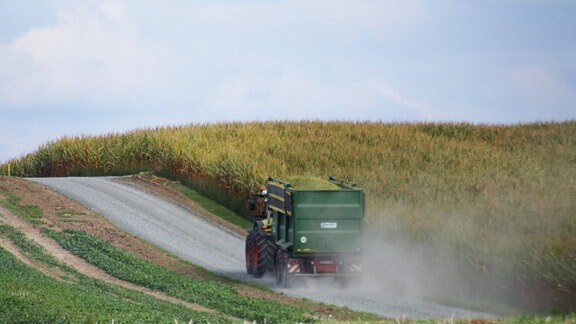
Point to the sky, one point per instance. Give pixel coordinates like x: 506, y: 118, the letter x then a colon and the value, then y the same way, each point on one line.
x: 71, y: 67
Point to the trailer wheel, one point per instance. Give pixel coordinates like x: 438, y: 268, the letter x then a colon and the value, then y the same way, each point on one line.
x: 248, y: 252
x: 262, y: 253
x: 282, y: 269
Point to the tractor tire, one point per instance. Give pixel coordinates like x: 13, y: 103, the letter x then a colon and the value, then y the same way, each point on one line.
x: 249, y: 252
x: 262, y: 253
x: 271, y: 247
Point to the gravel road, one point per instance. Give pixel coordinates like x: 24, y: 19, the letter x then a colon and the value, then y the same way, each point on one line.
x: 194, y: 239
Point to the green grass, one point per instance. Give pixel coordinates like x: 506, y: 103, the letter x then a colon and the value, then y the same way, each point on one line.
x: 28, y: 212
x: 211, y: 294
x: 212, y: 206
x: 28, y: 296
x: 31, y: 249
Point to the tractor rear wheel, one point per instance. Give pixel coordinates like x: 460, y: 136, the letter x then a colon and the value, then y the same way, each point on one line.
x: 262, y: 253
x: 249, y: 252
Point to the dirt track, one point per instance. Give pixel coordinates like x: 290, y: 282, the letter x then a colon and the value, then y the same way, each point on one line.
x: 218, y: 249
x: 64, y: 257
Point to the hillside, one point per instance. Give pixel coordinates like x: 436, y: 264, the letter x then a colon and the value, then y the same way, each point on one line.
x: 501, y: 198
x: 62, y: 262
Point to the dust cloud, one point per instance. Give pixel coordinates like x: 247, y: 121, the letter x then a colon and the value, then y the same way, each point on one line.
x: 430, y: 274
x: 414, y: 271
x: 396, y: 267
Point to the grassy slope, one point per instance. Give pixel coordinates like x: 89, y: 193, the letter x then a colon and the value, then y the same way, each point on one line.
x: 500, y: 196
x: 211, y: 206
x: 211, y: 294
x: 25, y: 292
x: 26, y: 295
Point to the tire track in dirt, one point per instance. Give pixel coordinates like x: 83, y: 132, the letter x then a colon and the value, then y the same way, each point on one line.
x: 63, y: 256
x: 53, y: 273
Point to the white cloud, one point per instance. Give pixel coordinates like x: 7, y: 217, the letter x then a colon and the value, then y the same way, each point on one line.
x: 113, y: 10
x: 92, y: 52
x: 97, y: 53
x: 340, y: 16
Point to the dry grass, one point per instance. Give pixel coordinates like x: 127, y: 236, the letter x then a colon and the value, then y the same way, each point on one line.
x: 503, y: 197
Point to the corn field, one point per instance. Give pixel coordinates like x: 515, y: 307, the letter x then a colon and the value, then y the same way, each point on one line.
x: 492, y: 194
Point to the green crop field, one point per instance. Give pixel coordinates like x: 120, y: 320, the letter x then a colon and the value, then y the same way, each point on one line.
x: 211, y: 294
x: 501, y: 198
x: 28, y: 296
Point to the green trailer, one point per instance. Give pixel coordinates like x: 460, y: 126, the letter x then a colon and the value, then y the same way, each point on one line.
x: 306, y: 232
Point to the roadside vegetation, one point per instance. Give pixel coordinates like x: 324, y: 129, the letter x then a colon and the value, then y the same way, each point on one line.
x: 11, y: 202
x: 212, y: 294
x: 208, y: 204
x: 29, y: 296
x: 501, y: 198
